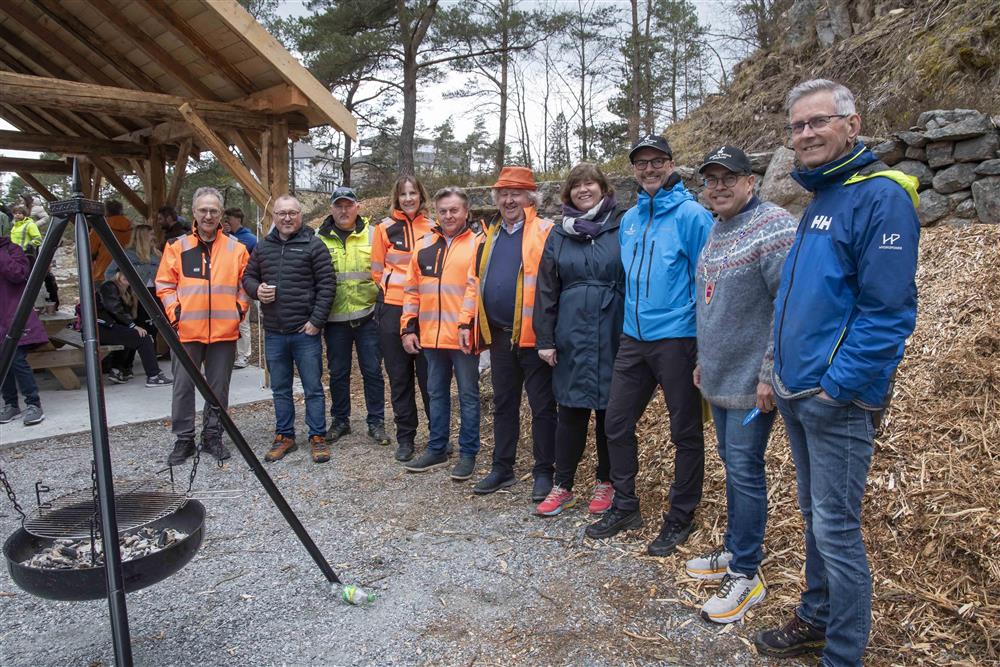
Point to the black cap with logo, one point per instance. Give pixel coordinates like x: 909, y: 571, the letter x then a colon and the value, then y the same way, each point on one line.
x: 343, y: 193
x: 730, y: 157
x: 651, y: 141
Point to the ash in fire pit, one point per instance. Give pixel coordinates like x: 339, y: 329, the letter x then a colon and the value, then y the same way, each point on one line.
x: 65, y: 554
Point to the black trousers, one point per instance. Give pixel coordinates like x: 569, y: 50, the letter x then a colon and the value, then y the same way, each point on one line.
x: 639, y: 368
x: 513, y: 370
x: 118, y: 334
x: 571, y: 440
x: 401, y: 368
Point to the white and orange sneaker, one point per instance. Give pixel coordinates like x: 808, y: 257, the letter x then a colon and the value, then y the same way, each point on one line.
x: 559, y: 499
x: 737, y: 594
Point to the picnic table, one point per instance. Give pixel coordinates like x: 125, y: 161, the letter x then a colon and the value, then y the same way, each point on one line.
x: 64, y: 351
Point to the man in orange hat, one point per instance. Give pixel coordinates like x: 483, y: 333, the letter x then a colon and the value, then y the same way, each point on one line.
x: 507, y: 269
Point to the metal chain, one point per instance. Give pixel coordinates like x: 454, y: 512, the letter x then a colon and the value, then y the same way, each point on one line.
x: 11, y: 495
x: 194, y: 467
x: 93, y: 490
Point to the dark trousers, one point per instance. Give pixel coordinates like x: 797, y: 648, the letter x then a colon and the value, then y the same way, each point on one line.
x: 401, y: 368
x: 639, y: 368
x: 341, y: 338
x: 216, y: 361
x: 130, y: 339
x: 512, y: 370
x: 571, y: 440
x: 21, y: 375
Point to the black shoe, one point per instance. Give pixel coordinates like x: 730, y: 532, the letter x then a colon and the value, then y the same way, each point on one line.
x: 671, y: 534
x: 541, y: 488
x: 216, y: 449
x: 796, y: 637
x: 464, y: 468
x: 613, y: 522
x: 338, y: 430
x: 182, y: 450
x: 377, y: 433
x: 496, y: 480
x: 404, y: 451
x: 427, y: 461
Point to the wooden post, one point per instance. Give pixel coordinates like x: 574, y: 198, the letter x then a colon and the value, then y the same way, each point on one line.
x: 155, y: 186
x: 277, y: 184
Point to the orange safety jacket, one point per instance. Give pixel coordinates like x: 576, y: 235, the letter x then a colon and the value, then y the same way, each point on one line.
x: 394, y: 242
x: 121, y: 227
x: 536, y: 231
x: 201, y: 287
x: 441, y: 289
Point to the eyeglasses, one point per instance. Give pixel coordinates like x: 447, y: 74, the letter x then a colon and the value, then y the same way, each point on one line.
x: 655, y: 163
x: 729, y: 180
x: 816, y: 123
x: 287, y: 214
x: 208, y: 212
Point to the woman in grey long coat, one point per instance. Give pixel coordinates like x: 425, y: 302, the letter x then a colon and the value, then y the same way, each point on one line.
x: 578, y: 321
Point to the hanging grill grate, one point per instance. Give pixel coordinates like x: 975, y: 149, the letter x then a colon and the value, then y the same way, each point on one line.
x: 71, y: 516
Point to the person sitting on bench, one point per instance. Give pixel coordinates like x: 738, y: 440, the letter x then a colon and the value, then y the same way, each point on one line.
x: 117, y: 308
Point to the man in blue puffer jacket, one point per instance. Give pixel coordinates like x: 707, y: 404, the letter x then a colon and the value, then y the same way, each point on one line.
x: 661, y: 238
x: 846, y: 304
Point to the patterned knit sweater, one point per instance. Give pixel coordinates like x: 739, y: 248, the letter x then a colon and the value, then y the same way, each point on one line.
x: 737, y: 279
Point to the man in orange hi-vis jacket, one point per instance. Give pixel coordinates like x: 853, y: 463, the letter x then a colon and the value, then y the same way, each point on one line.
x: 439, y: 315
x: 200, y: 284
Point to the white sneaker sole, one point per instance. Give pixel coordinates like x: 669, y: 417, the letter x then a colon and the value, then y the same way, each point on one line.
x: 737, y: 614
x: 706, y: 575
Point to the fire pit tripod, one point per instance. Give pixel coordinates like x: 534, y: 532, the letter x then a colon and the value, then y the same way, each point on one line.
x: 88, y: 213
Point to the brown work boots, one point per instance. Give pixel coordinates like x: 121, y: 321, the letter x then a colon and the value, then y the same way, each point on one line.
x: 320, y: 450
x: 282, y: 445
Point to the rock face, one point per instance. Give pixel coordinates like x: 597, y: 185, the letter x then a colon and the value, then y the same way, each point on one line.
x: 980, y: 148
x: 913, y: 139
x: 989, y: 168
x: 933, y: 207
x: 779, y: 188
x: 890, y: 152
x: 939, y: 154
x: 954, y: 178
x: 972, y: 126
x: 986, y: 195
x: 918, y: 169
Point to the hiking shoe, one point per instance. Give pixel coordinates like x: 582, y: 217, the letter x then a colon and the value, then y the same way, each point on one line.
x: 404, y: 451
x: 338, y: 429
x: 710, y: 566
x: 541, y: 488
x: 796, y: 637
x: 320, y: 450
x: 604, y: 494
x: 377, y: 433
x: 613, y: 522
x: 9, y: 413
x: 427, y: 461
x: 493, y: 482
x: 734, y: 598
x: 127, y: 374
x: 216, y: 449
x: 281, y: 446
x: 464, y: 468
x: 32, y: 415
x: 241, y: 362
x: 182, y: 450
x: 116, y: 376
x: 160, y: 380
x: 559, y: 499
x: 671, y: 534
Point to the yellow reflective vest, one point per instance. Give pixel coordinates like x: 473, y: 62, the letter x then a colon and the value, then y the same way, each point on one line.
x: 352, y: 264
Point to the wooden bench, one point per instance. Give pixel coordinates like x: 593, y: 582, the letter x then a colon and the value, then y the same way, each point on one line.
x: 62, y: 354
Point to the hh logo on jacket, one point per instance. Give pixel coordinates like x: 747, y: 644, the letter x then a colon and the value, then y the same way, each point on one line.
x: 821, y: 222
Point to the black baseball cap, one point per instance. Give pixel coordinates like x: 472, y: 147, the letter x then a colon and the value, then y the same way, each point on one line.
x: 343, y: 193
x: 730, y: 157
x: 651, y: 141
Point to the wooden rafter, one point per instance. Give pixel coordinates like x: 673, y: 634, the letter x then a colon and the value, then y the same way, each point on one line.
x: 70, y: 145
x: 180, y: 168
x: 121, y: 186
x: 37, y: 185
x: 35, y: 166
x: 249, y: 152
x: 26, y: 122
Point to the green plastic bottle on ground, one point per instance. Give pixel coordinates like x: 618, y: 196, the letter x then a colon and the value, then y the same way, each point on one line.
x: 356, y: 595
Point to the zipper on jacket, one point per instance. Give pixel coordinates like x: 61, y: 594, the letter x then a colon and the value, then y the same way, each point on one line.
x: 444, y: 257
x: 638, y: 273
x: 648, y: 269
x: 281, y: 267
x: 840, y: 340
x: 791, y: 281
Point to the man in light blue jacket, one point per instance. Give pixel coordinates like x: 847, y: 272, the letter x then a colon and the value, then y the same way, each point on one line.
x: 661, y: 238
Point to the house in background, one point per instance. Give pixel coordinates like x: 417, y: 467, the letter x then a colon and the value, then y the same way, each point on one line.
x: 314, y: 169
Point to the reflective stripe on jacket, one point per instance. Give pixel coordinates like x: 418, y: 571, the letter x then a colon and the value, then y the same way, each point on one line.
x: 441, y: 289
x: 391, y: 250
x: 24, y: 233
x: 200, y: 287
x: 352, y: 264
x: 536, y: 231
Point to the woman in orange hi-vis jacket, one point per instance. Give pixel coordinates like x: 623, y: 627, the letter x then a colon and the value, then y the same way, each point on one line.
x: 439, y: 316
x: 395, y: 238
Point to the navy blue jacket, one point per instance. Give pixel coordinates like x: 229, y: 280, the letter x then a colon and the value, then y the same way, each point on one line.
x: 848, y: 296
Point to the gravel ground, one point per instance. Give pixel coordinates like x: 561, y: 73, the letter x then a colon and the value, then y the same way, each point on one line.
x: 460, y: 579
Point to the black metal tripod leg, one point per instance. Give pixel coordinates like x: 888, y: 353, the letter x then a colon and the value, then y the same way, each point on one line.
x: 35, y: 279
x: 102, y: 452
x: 100, y: 225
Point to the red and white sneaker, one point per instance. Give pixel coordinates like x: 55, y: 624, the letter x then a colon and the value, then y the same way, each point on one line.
x: 604, y: 494
x: 559, y: 499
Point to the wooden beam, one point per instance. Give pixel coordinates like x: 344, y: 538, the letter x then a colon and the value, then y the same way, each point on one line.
x: 278, y: 171
x: 121, y: 186
x: 218, y: 147
x: 95, y: 189
x: 155, y: 185
x: 291, y: 70
x: 279, y: 99
x: 35, y: 166
x: 37, y: 185
x: 28, y: 141
x: 248, y: 151
x: 177, y: 24
x: 170, y: 132
x: 72, y: 95
x: 18, y: 118
x: 180, y: 167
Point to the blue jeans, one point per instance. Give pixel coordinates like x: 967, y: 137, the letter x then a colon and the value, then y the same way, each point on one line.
x: 340, y: 338
x: 832, y: 449
x: 741, y: 449
x: 441, y: 365
x: 20, y: 375
x: 306, y: 352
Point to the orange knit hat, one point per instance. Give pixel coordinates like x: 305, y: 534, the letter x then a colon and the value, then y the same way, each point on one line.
x: 519, y: 178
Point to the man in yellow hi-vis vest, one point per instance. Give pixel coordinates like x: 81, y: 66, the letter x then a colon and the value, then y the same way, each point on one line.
x: 348, y: 237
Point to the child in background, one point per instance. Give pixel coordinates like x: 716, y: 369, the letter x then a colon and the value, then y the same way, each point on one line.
x: 24, y: 232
